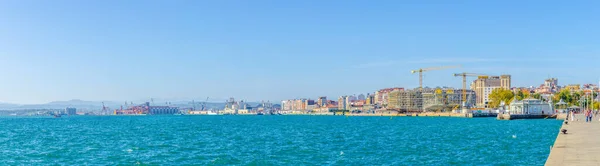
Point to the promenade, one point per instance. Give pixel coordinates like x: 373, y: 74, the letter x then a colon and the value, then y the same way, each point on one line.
x: 580, y: 146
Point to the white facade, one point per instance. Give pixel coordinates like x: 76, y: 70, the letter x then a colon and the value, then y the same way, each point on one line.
x: 71, y: 111
x: 486, y: 94
x: 160, y: 110
x: 531, y: 107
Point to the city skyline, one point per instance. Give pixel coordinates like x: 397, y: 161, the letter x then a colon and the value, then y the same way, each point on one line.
x: 263, y: 50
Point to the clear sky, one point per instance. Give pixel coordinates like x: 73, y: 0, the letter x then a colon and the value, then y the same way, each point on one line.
x: 255, y: 49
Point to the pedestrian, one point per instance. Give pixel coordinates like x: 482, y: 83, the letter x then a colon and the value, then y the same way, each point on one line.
x: 589, y: 117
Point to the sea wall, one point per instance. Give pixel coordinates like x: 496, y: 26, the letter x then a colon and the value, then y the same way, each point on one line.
x: 522, y: 116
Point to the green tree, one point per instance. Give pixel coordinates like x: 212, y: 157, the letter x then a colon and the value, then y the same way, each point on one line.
x: 566, y: 96
x: 522, y: 95
x: 499, y: 95
x: 537, y: 96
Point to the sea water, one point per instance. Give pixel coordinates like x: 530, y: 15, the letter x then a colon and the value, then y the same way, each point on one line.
x: 274, y: 140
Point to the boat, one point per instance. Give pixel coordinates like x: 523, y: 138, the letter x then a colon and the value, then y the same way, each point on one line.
x: 260, y: 113
x: 57, y: 115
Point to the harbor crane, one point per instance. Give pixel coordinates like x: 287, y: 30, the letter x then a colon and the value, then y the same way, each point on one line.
x: 104, y: 109
x: 464, y: 75
x: 420, y: 71
x: 194, y: 105
x: 204, y: 104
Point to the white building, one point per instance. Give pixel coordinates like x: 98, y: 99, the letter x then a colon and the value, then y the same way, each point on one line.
x: 531, y: 107
x: 71, y: 111
x: 486, y: 93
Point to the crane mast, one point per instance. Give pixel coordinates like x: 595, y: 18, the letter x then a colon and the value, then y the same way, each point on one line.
x: 464, y: 76
x: 420, y: 71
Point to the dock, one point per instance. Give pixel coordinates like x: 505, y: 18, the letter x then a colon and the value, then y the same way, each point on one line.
x: 580, y: 146
x: 523, y: 116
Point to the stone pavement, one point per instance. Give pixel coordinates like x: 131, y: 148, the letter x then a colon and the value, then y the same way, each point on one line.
x: 580, y: 146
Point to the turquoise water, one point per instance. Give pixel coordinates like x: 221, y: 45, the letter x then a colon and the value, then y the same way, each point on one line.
x: 274, y: 140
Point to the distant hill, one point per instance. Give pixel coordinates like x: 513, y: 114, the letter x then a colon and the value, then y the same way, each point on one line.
x: 97, y: 105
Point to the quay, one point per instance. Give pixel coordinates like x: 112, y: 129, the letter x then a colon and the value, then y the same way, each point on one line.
x: 523, y: 116
x: 580, y: 146
x: 424, y: 114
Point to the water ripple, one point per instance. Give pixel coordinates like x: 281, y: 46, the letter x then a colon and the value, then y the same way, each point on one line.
x: 274, y: 140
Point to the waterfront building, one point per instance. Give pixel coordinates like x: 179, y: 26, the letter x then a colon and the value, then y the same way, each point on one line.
x: 342, y: 102
x: 347, y: 100
x: 353, y: 98
x: 326, y: 109
x: 573, y: 87
x: 370, y: 100
x: 551, y: 82
x: 428, y: 99
x: 531, y: 107
x: 550, y: 86
x: 332, y: 102
x: 393, y: 100
x: 361, y: 97
x: 299, y: 104
x: 381, y: 96
x: 588, y: 88
x: 484, y: 85
x: 358, y: 102
x: 147, y: 109
x: 163, y: 110
x: 287, y: 105
x: 322, y: 101
x: 71, y: 111
x: 242, y: 111
x: 308, y: 104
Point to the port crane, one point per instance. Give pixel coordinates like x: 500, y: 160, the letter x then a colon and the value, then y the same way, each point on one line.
x: 194, y: 105
x: 204, y: 104
x: 464, y: 75
x: 420, y: 71
x: 104, y: 109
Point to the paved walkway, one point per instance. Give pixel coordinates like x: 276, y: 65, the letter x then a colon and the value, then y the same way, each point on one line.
x: 580, y: 146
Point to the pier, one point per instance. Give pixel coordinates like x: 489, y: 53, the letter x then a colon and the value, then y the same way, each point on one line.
x: 523, y: 116
x: 580, y: 146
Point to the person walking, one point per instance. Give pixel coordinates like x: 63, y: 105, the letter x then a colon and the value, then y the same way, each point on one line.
x: 589, y: 116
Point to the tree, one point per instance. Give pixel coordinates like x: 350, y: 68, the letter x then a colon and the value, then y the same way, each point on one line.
x: 499, y: 95
x: 566, y: 96
x: 537, y: 96
x: 522, y: 95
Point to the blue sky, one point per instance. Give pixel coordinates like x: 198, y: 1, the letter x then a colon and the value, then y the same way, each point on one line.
x: 272, y: 50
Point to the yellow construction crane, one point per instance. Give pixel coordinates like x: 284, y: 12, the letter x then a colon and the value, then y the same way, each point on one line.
x: 464, y: 76
x: 420, y: 71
